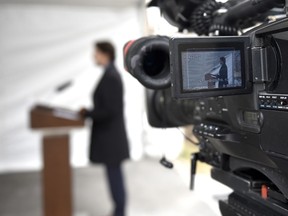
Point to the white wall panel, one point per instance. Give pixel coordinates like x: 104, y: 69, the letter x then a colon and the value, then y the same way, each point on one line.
x: 42, y: 46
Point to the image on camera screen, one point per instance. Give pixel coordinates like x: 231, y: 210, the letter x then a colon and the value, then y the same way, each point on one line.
x: 211, y: 69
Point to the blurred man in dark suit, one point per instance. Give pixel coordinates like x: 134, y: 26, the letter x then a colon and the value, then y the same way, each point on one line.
x: 223, y: 73
x: 109, y: 145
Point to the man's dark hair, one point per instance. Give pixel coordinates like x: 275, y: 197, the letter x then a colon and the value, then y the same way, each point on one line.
x: 107, y: 48
x: 223, y: 59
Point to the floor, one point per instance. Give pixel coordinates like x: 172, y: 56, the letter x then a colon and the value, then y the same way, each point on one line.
x: 153, y: 190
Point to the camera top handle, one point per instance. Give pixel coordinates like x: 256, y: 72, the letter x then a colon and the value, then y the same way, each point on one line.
x: 240, y: 13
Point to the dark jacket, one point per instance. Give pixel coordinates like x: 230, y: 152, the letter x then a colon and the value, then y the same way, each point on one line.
x: 109, y: 143
x: 223, y: 76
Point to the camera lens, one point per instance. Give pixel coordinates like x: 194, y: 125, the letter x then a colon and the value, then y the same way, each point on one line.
x: 147, y: 59
x: 164, y: 111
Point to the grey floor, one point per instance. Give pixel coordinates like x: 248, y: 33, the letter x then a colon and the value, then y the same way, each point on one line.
x: 152, y: 189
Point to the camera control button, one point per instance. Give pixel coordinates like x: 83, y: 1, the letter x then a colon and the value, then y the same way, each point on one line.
x: 283, y: 103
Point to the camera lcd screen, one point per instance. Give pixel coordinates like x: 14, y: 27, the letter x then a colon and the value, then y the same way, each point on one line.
x: 210, y: 66
x: 211, y: 69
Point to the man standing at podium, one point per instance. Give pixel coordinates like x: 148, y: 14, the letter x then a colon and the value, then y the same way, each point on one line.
x: 109, y: 145
x: 223, y: 74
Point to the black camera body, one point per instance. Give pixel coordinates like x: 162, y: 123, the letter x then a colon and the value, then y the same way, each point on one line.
x: 233, y: 89
x: 241, y: 124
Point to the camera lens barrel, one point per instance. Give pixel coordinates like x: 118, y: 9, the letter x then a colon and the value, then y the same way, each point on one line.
x: 147, y: 59
x: 163, y: 111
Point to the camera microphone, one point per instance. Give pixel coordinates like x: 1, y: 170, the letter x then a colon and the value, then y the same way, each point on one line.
x: 63, y: 86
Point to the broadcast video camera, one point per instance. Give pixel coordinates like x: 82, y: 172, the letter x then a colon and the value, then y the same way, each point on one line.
x: 233, y: 89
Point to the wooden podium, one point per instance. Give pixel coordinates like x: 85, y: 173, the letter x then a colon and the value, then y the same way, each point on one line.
x: 55, y: 125
x: 211, y: 80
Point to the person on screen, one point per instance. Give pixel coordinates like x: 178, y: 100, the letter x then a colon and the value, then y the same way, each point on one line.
x: 223, y: 74
x: 109, y: 144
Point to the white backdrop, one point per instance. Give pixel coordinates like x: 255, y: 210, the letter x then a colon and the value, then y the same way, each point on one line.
x: 45, y: 45
x: 42, y: 46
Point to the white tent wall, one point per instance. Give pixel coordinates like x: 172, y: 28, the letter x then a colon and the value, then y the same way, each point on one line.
x: 45, y: 45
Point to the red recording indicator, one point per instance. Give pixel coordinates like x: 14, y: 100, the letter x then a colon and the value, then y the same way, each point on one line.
x: 264, y: 192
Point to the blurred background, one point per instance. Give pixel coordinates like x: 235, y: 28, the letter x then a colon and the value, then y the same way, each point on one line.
x: 48, y: 44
